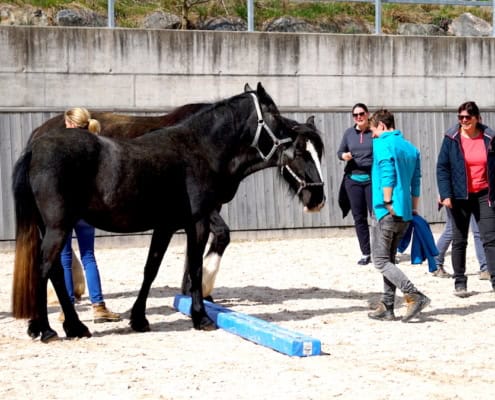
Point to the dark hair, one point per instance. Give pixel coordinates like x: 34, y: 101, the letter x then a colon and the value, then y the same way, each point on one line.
x: 360, y: 105
x: 384, y: 116
x: 470, y: 107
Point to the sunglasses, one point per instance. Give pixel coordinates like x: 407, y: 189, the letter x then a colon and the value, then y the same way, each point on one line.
x: 464, y: 117
x: 361, y: 114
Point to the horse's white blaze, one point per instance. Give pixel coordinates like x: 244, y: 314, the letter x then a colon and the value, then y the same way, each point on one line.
x: 314, y: 155
x: 211, y: 265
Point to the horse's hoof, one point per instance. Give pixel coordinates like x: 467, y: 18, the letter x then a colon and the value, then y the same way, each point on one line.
x: 78, y: 330
x: 33, y: 329
x: 205, y: 324
x: 49, y: 336
x: 140, y: 325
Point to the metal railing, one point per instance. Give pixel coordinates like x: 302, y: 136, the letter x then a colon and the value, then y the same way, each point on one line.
x: 378, y: 9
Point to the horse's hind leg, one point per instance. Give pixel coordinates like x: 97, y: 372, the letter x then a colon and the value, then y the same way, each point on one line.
x: 73, y: 326
x: 211, y: 263
x: 51, y: 268
x: 159, y: 243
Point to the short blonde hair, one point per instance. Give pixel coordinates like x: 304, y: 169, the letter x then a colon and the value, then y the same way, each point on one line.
x: 81, y: 117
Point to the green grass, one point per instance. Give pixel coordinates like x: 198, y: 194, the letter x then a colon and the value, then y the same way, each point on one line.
x: 129, y: 12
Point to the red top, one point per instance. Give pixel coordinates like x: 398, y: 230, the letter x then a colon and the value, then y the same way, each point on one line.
x: 476, y: 163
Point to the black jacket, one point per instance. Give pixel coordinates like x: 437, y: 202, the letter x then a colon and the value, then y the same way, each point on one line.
x: 451, y: 165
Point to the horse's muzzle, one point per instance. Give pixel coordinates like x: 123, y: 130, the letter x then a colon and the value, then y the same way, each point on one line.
x: 315, y: 208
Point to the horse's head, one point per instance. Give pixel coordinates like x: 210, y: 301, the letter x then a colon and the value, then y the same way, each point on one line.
x: 301, y: 163
x: 297, y: 148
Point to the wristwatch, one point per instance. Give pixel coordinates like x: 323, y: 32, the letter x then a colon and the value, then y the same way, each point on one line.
x: 387, y: 203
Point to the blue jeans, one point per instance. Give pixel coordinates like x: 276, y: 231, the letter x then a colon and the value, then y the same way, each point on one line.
x: 386, y: 235
x: 445, y: 240
x: 85, y: 234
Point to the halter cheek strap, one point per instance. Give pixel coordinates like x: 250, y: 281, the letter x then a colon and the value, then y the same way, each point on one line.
x: 262, y: 124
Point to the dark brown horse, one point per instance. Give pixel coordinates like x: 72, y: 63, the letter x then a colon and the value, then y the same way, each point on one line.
x: 172, y: 178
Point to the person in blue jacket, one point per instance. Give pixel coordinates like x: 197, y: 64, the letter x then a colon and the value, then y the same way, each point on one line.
x: 395, y: 183
x: 466, y: 184
x: 355, y: 191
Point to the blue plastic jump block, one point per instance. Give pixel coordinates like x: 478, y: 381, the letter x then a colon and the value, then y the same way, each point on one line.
x: 255, y: 330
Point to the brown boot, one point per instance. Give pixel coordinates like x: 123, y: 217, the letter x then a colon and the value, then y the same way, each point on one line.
x: 102, y: 314
x: 383, y: 312
x: 416, y: 302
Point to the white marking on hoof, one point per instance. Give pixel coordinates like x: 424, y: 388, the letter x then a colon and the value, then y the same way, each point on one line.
x: 211, y: 265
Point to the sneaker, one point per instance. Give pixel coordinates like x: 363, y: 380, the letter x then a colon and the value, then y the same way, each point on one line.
x: 383, y: 313
x: 102, y: 314
x: 416, y: 302
x: 441, y: 273
x: 485, y: 276
x: 365, y: 260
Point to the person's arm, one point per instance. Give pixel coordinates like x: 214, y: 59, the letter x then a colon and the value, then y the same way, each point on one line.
x: 416, y: 184
x: 343, y: 152
x: 444, y: 173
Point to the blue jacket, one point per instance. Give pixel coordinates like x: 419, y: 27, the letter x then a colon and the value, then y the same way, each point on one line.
x: 423, y: 243
x: 451, y: 165
x: 396, y: 164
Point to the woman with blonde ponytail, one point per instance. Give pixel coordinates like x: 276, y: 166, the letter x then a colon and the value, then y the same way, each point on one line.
x: 81, y: 118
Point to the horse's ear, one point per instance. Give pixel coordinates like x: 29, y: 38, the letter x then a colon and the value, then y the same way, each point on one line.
x: 311, y: 121
x: 247, y: 88
x: 260, y: 89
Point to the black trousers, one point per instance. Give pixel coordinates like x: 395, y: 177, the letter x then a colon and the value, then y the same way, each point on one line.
x: 476, y: 204
x: 359, y: 194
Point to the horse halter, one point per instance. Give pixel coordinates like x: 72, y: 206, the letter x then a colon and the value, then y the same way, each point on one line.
x: 276, y: 144
x: 262, y: 124
x: 302, y: 183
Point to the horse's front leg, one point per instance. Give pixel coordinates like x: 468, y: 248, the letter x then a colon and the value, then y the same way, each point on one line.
x: 159, y: 243
x: 197, y: 236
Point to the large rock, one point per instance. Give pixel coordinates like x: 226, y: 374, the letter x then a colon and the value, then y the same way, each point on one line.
x: 224, y: 24
x: 161, y: 20
x: 469, y: 25
x: 420, y: 30
x: 80, y: 17
x: 289, y: 24
x: 26, y: 15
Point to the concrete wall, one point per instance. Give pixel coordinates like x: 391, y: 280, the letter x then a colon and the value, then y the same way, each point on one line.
x: 155, y: 69
x: 423, y: 79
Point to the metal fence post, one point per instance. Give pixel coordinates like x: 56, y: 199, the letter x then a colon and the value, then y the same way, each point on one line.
x: 250, y: 15
x: 111, y: 13
x: 378, y: 17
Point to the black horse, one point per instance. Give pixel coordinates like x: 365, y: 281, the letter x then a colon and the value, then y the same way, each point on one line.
x: 166, y: 180
x: 131, y: 126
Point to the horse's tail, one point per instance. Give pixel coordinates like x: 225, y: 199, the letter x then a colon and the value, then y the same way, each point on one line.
x: 27, y: 236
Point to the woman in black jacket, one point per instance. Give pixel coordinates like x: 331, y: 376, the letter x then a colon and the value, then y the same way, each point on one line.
x: 355, y: 192
x: 466, y: 183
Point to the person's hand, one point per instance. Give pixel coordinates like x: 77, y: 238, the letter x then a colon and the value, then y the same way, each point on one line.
x: 390, y: 209
x: 347, y: 156
x: 447, y: 202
